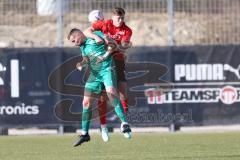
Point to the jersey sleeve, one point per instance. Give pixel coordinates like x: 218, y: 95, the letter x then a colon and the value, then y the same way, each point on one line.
x: 82, y: 51
x: 98, y: 26
x: 100, y: 34
x: 127, y: 36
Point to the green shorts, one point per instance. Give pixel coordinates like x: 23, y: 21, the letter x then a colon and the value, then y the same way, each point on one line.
x: 98, y: 80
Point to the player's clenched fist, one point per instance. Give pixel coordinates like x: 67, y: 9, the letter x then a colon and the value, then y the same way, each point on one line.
x: 80, y: 65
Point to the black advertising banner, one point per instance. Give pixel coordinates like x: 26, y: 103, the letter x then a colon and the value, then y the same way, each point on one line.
x: 206, y: 85
x: 210, y: 85
x: 195, y: 85
x: 25, y: 96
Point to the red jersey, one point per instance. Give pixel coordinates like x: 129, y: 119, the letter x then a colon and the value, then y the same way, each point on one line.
x: 119, y: 34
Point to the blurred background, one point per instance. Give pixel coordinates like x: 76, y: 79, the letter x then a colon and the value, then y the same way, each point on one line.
x: 197, y: 41
x: 45, y: 23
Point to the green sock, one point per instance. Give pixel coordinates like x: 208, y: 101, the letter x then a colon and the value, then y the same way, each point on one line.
x: 119, y: 112
x: 86, y: 116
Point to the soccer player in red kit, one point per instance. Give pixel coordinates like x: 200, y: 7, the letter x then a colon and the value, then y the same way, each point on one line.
x: 116, y: 29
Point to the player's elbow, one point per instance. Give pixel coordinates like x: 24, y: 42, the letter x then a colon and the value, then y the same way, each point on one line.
x: 88, y: 31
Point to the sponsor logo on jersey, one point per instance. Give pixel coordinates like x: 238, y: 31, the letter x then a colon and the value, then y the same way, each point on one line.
x: 118, y: 35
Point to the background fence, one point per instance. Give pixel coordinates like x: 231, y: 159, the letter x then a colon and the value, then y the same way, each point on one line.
x: 195, y: 22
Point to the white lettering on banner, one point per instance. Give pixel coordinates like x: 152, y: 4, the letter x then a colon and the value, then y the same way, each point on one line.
x: 227, y: 95
x: 14, y: 75
x: 179, y: 71
x: 1, y: 81
x: 199, y: 72
x: 21, y: 109
x: 196, y: 85
x: 2, y: 69
x: 14, y: 78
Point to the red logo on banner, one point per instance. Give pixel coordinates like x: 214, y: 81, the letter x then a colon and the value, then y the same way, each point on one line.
x: 228, y: 95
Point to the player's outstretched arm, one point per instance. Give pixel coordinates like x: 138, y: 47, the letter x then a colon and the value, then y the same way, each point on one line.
x: 89, y: 33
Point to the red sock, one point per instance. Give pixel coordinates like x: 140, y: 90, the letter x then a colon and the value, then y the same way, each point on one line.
x: 125, y: 105
x: 102, y: 109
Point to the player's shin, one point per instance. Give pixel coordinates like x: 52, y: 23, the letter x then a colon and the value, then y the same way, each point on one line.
x: 114, y: 99
x: 120, y: 113
x: 125, y: 105
x: 119, y: 110
x: 86, y: 117
x: 102, y: 109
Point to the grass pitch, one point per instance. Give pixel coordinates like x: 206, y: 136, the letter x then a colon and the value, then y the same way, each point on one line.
x: 147, y: 146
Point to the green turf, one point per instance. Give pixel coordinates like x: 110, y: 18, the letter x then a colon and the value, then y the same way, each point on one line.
x: 151, y: 146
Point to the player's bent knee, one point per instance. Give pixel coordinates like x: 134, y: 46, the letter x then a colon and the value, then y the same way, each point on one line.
x: 86, y: 103
x: 111, y: 90
x: 122, y: 97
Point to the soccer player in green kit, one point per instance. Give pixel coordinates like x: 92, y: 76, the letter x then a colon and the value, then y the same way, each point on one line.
x: 100, y: 73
